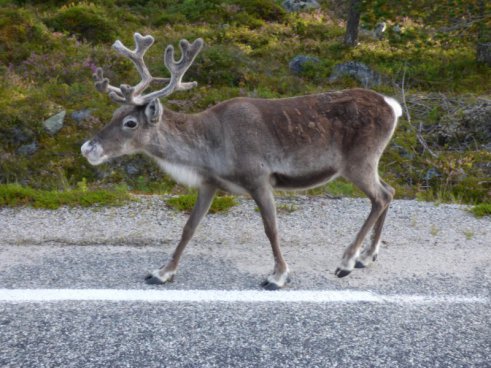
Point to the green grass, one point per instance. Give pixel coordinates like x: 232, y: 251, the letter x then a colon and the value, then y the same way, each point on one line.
x: 337, y: 188
x: 469, y: 234
x: 434, y: 230
x: 14, y: 195
x: 145, y: 185
x: 185, y: 203
x: 481, y: 210
x: 286, y: 208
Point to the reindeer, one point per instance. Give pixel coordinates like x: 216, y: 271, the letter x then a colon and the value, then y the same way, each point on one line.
x: 251, y: 146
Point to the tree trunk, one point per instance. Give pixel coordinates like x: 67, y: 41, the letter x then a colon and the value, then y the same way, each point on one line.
x: 483, y: 47
x: 351, y: 36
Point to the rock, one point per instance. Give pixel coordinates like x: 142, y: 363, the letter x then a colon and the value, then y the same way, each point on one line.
x: 379, y: 30
x: 431, y: 173
x: 361, y: 72
x: 81, y: 115
x: 466, y: 128
x: 474, y: 125
x: 377, y: 33
x: 297, y: 64
x: 299, y: 5
x: 27, y: 149
x: 54, y: 123
x: 131, y: 169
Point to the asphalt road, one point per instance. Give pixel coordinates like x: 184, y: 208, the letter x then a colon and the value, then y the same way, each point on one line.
x: 439, y: 330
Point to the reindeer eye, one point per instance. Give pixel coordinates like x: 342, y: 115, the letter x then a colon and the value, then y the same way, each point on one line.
x: 130, y: 123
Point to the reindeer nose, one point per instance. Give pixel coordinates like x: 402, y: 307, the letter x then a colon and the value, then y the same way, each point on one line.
x: 87, y: 147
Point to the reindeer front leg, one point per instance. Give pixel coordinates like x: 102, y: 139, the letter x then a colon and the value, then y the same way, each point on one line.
x: 265, y: 201
x: 201, y: 207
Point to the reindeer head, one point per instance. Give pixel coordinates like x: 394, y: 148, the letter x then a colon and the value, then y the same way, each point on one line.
x: 133, y: 124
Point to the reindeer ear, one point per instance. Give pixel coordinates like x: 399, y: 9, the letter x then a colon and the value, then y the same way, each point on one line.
x: 153, y: 111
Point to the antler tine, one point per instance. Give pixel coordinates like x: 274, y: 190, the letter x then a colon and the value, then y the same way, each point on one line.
x: 102, y: 85
x: 133, y: 95
x: 177, y: 68
x: 143, y: 43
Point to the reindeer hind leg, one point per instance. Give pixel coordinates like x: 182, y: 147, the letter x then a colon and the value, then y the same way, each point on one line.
x: 370, y: 254
x: 263, y: 196
x: 380, y: 198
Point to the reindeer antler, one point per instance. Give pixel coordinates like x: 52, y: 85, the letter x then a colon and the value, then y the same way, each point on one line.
x: 133, y: 95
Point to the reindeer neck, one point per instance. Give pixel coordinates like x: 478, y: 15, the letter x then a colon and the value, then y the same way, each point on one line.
x: 179, y: 139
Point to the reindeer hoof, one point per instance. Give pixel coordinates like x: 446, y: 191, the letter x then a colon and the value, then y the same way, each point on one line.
x: 153, y: 278
x: 267, y: 285
x: 365, y: 260
x: 359, y: 264
x: 341, y: 273
x: 271, y: 285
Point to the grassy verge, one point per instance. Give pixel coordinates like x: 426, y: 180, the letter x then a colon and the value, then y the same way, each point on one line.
x: 14, y: 195
x: 337, y: 188
x: 186, y: 202
x: 481, y: 210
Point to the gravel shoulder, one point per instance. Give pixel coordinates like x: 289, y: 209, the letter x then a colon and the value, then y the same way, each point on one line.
x: 427, y: 250
x: 423, y: 245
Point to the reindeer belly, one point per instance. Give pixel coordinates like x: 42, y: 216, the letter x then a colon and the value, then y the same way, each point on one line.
x: 302, y: 180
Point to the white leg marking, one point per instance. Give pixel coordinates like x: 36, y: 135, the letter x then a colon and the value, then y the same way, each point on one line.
x: 366, y: 257
x: 279, y: 279
x: 348, y: 264
x: 164, y: 277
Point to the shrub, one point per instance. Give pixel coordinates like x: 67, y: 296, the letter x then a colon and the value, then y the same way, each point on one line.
x: 219, y: 65
x: 20, y: 35
x: 481, y: 210
x: 86, y: 21
x: 194, y: 10
x: 262, y: 9
x: 64, y: 67
x: 251, y: 13
x: 42, y: 2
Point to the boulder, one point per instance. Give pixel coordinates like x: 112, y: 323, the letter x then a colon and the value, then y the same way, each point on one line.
x: 299, y: 5
x: 131, y: 169
x: 469, y: 127
x: 360, y: 71
x: 54, y: 123
x: 379, y: 30
x: 27, y: 149
x: 463, y: 125
x: 431, y: 173
x: 297, y: 64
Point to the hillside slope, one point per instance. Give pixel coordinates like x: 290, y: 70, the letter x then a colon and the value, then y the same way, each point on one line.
x: 49, y: 50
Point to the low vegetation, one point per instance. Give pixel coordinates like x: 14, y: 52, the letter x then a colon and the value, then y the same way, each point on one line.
x: 481, y: 210
x: 49, y: 50
x: 185, y: 202
x: 13, y: 195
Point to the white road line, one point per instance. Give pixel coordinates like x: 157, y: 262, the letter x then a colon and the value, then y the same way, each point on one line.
x: 227, y: 296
